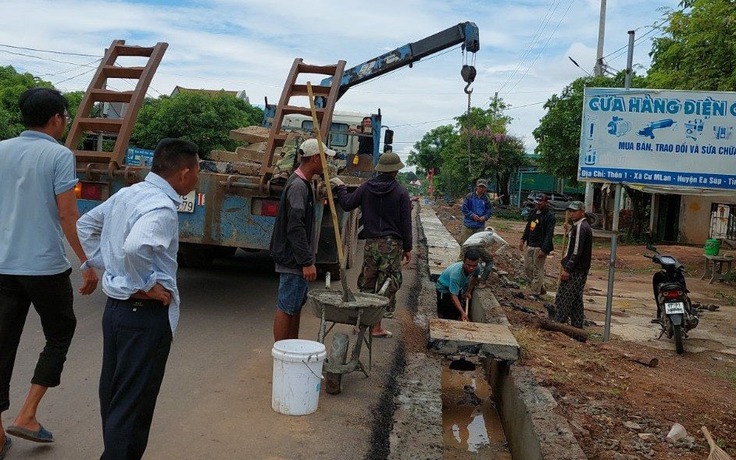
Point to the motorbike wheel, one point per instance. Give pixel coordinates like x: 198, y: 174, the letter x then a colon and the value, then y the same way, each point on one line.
x: 677, y: 335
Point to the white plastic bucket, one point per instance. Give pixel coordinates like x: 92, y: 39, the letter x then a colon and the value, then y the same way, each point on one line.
x: 297, y: 376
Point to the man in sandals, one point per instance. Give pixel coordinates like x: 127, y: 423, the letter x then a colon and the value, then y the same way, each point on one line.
x: 386, y: 211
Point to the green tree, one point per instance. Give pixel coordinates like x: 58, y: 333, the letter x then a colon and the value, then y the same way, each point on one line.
x: 697, y: 51
x: 427, y: 152
x: 12, y: 85
x: 490, y: 151
x: 476, y: 146
x: 558, y: 133
x: 202, y: 118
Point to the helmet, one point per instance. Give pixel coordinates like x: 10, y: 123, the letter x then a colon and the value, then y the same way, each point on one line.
x: 389, y: 162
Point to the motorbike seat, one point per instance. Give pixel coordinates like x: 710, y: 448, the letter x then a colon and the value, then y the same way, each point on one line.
x: 671, y: 287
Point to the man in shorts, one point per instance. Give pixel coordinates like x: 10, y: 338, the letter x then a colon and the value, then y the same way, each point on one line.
x: 292, y: 241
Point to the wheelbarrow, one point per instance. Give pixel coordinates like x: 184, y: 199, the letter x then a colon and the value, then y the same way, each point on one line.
x: 362, y: 313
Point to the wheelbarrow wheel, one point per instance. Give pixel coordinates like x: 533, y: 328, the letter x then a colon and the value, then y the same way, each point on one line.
x: 337, y: 356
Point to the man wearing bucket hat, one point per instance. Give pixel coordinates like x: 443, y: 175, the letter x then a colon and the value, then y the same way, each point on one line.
x: 476, y: 210
x: 575, y: 266
x: 292, y: 241
x: 538, y: 234
x: 386, y: 211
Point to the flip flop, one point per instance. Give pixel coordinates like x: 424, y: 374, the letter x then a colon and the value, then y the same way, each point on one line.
x: 383, y: 335
x: 42, y: 435
x: 6, y: 447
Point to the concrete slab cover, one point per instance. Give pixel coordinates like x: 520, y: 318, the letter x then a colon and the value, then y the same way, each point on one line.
x: 482, y: 339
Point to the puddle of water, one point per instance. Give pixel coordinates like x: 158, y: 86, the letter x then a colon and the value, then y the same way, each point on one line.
x: 471, y: 427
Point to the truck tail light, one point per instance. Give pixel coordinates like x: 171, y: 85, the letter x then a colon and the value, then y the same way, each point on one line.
x: 91, y: 191
x: 265, y: 207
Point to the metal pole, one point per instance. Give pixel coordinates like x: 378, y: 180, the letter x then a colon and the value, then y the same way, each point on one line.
x: 598, y: 69
x: 612, y: 263
x: 616, y: 210
x: 630, y: 59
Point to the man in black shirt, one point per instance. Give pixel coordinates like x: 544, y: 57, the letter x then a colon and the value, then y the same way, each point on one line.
x: 538, y: 233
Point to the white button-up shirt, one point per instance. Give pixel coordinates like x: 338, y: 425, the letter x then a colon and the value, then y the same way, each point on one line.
x: 134, y: 238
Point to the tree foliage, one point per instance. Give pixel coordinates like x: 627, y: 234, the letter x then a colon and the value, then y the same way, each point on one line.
x: 12, y: 85
x: 558, y: 133
x: 202, y: 118
x: 697, y: 51
x: 476, y: 146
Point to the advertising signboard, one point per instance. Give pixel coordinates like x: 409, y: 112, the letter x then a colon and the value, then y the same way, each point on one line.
x: 659, y: 137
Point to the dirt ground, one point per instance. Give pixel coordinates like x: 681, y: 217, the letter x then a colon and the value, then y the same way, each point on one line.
x: 618, y: 408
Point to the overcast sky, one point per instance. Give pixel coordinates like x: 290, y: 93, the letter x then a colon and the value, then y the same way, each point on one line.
x: 250, y: 45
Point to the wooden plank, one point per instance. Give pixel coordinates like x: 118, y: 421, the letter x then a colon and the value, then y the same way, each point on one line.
x: 250, y: 134
x: 450, y: 337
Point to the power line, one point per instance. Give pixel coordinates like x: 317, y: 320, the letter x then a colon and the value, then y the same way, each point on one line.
x: 40, y: 58
x: 543, y: 47
x: 47, y: 51
x: 543, y: 25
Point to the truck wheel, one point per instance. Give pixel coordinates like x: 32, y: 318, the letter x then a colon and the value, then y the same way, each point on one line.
x: 196, y: 256
x: 223, y: 252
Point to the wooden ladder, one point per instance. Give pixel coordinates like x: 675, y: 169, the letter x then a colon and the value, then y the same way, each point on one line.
x: 98, y: 92
x: 293, y: 89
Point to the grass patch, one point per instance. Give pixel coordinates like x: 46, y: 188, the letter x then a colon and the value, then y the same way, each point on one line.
x: 728, y: 299
x: 729, y: 376
x: 509, y: 214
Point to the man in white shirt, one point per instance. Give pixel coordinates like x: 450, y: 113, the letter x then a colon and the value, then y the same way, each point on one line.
x: 134, y: 238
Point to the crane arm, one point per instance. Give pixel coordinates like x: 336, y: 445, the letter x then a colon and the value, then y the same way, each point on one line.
x: 465, y: 33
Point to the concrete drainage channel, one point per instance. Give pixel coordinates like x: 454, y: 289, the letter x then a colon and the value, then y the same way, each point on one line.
x: 525, y: 410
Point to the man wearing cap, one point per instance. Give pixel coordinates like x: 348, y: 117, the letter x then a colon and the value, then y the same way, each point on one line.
x: 386, y: 211
x: 476, y: 210
x: 292, y: 241
x: 575, y: 266
x: 538, y: 234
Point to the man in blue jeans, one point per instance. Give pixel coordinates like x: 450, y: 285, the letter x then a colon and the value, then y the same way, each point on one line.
x: 38, y: 208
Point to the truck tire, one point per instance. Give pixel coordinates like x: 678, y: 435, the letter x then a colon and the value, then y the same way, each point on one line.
x: 195, y: 255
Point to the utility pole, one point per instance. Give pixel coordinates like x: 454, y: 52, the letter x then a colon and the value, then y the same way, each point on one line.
x: 598, y: 69
x: 616, y: 212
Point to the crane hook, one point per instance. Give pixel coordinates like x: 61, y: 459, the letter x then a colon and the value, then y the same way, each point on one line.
x: 468, y: 73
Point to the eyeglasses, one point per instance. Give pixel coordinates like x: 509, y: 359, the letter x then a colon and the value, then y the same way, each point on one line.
x: 67, y: 118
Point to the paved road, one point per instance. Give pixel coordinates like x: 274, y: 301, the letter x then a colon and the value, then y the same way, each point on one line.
x: 216, y: 396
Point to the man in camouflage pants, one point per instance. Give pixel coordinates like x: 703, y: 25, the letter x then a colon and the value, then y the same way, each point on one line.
x: 386, y: 214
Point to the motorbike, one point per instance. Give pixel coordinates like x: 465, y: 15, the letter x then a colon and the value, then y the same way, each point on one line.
x: 675, y: 313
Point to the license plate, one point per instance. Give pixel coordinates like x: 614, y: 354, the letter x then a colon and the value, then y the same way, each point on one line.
x: 187, y: 202
x: 674, y: 307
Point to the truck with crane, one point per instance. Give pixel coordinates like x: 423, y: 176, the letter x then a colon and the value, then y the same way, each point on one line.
x: 234, y: 205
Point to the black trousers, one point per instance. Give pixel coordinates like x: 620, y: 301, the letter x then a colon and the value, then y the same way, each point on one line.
x: 53, y: 299
x: 136, y: 343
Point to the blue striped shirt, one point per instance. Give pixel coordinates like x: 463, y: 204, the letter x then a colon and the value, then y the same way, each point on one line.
x: 134, y: 238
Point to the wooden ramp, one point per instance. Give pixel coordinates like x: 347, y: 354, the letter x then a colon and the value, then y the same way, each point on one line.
x: 442, y: 249
x: 486, y: 340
